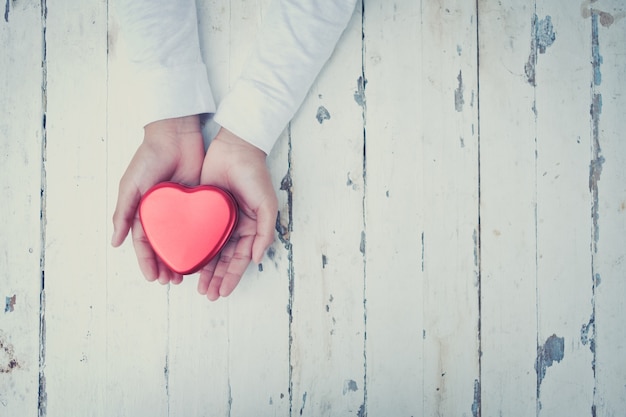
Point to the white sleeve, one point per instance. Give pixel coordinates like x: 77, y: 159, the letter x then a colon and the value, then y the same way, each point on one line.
x: 169, y: 77
x: 297, y: 38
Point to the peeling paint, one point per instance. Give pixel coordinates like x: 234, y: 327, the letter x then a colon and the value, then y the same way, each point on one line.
x: 359, y: 94
x: 542, y: 36
x: 544, y: 33
x: 7, y: 9
x: 588, y: 334
x: 595, y: 51
x: 322, y: 114
x: 606, y: 19
x: 324, y: 261
x: 230, y: 399
x: 42, y: 396
x: 9, y: 305
x: 476, y: 247
x: 7, y: 350
x: 361, y: 412
x: 595, y: 165
x: 588, y: 331
x: 350, y: 183
x: 271, y: 253
x: 303, y: 403
x: 458, y: 94
x: 284, y: 230
x: 553, y: 350
x: 287, y: 185
x: 349, y: 385
x: 362, y: 245
x: 476, y: 403
x: 166, y: 375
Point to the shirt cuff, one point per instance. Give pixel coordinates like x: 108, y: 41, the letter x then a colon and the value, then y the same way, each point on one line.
x: 251, y: 114
x: 165, y: 93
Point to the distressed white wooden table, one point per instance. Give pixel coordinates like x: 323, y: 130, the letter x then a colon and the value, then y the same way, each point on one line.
x: 451, y: 238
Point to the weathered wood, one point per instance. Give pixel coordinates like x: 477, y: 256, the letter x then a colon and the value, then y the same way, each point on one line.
x: 394, y: 272
x: 450, y: 205
x: 137, y: 337
x: 507, y: 210
x: 258, y: 338
x: 21, y: 136
x: 247, y: 360
x: 198, y: 365
x: 607, y: 333
x: 75, y: 345
x: 562, y: 77
x: 426, y: 145
x: 327, y: 347
x: 450, y: 239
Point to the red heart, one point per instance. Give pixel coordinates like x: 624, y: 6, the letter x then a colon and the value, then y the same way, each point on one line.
x: 187, y: 226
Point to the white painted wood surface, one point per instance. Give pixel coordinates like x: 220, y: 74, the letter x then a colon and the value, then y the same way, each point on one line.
x: 21, y: 136
x: 451, y: 237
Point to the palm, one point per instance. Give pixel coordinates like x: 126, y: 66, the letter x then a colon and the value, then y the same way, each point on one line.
x: 241, y: 169
x: 165, y: 155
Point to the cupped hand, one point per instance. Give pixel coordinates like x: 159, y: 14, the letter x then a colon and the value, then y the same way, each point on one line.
x: 172, y: 150
x: 239, y: 167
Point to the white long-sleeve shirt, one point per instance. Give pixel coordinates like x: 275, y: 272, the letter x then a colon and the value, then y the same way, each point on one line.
x: 296, y: 38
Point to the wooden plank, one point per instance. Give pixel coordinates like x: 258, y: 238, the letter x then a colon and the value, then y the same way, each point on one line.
x: 607, y: 337
x: 137, y: 321
x: 258, y: 313
x: 198, y: 365
x: 394, y: 209
x: 141, y: 378
x: 507, y: 210
x: 449, y: 115
x: 562, y: 80
x: 243, y: 340
x: 76, y: 217
x: 406, y: 206
x: 327, y: 313
x: 91, y: 335
x: 21, y: 135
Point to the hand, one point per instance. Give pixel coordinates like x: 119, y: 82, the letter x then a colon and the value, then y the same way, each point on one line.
x: 172, y: 150
x: 239, y: 167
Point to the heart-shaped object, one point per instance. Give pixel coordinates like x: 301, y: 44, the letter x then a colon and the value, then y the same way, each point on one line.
x: 187, y: 226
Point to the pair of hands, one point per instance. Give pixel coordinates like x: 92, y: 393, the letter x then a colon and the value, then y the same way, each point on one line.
x: 173, y: 150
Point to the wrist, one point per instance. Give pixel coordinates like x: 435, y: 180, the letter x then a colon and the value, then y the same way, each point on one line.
x: 237, y: 143
x: 175, y: 125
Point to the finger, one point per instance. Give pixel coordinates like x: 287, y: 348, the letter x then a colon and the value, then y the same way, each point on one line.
x: 266, y: 223
x: 237, y: 266
x: 213, y: 292
x: 221, y: 267
x: 206, y: 274
x: 166, y: 275
x: 125, y: 209
x: 145, y: 255
x: 176, y: 279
